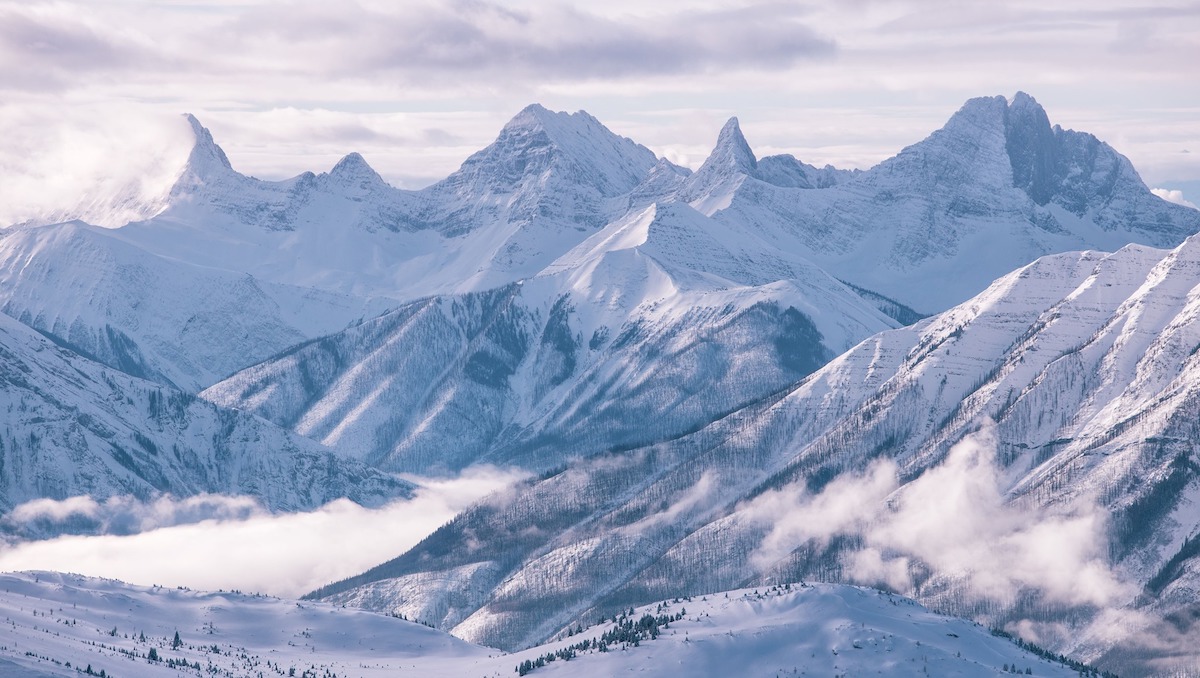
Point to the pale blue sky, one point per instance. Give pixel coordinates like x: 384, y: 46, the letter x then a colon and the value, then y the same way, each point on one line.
x: 417, y: 86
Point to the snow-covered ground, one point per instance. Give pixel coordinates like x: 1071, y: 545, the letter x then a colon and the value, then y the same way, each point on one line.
x: 59, y: 625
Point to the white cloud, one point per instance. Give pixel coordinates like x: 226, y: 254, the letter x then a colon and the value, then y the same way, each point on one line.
x: 416, y: 87
x: 233, y: 544
x: 1173, y: 196
x: 956, y: 520
x: 109, y: 164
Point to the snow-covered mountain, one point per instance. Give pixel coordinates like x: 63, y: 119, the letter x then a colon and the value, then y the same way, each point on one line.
x: 58, y: 625
x: 663, y: 272
x: 651, y: 328
x: 567, y: 296
x: 547, y: 182
x: 1085, y: 362
x: 74, y: 427
x: 992, y: 190
x: 995, y: 188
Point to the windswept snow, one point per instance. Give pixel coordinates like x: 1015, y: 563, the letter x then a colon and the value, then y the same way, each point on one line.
x: 799, y: 630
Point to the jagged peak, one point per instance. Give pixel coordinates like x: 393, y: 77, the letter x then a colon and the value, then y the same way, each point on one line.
x: 556, y: 124
x: 1023, y: 100
x: 538, y: 139
x: 979, y: 110
x: 205, y: 151
x: 1025, y: 110
x: 353, y: 165
x: 732, y: 151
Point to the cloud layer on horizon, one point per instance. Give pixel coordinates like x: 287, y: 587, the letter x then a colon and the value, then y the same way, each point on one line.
x: 416, y: 87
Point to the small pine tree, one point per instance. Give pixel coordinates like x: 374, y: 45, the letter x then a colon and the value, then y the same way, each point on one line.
x: 153, y: 656
x: 175, y: 644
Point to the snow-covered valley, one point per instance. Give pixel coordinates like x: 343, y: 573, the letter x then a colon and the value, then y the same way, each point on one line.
x: 62, y: 625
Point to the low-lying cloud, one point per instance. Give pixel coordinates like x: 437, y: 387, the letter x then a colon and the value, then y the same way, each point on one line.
x: 955, y: 520
x: 212, y: 542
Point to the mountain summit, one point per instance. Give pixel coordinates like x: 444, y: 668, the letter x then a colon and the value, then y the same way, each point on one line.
x: 206, y: 154
x: 732, y: 151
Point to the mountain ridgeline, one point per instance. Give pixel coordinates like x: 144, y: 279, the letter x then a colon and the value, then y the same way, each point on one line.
x: 669, y: 350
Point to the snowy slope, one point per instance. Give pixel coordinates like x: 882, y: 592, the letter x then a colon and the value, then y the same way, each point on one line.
x: 52, y: 619
x: 161, y: 319
x: 75, y: 427
x: 230, y: 269
x: 651, y: 328
x: 1086, y: 362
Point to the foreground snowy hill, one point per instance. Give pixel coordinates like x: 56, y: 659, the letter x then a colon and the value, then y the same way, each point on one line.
x: 59, y: 625
x: 1085, y: 362
x: 75, y: 427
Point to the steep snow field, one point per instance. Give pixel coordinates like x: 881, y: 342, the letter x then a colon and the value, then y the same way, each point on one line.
x: 51, y: 619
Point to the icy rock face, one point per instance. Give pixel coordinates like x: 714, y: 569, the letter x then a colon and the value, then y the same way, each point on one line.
x: 1086, y: 363
x: 74, y: 427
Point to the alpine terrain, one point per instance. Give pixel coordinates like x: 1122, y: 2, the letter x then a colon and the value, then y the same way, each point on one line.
x: 967, y: 375
x: 61, y: 625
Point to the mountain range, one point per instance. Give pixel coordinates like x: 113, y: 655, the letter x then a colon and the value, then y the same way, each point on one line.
x: 669, y: 350
x: 1080, y: 369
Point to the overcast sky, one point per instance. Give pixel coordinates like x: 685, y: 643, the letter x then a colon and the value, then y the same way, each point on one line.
x: 417, y: 86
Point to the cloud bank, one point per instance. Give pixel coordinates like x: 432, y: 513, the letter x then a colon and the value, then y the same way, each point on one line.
x: 211, y: 542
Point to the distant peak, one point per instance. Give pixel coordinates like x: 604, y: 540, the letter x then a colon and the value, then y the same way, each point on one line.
x: 732, y: 151
x: 535, y: 110
x: 533, y: 116
x: 206, y: 153
x: 352, y: 165
x: 1022, y: 100
x: 557, y: 125
x: 982, y: 107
